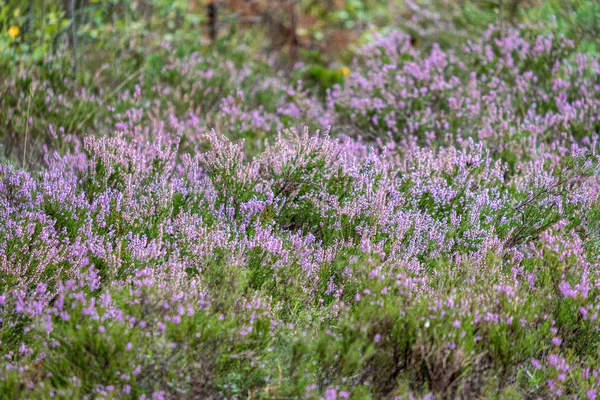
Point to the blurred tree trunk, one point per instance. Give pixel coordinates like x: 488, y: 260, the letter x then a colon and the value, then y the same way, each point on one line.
x: 29, y: 20
x: 294, y: 44
x: 213, y: 23
x: 70, y: 7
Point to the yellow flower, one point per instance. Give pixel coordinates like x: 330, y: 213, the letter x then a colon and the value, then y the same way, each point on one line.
x: 344, y: 71
x: 13, y: 31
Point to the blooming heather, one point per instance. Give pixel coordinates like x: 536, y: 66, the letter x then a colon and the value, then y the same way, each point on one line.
x: 428, y: 229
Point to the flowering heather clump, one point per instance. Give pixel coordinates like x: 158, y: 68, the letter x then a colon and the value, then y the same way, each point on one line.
x: 216, y: 238
x: 504, y: 90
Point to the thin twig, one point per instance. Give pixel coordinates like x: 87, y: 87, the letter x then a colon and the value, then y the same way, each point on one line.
x: 31, y: 91
x: 73, y: 37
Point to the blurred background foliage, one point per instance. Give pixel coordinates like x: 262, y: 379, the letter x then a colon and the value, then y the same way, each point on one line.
x: 86, y: 52
x: 37, y: 31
